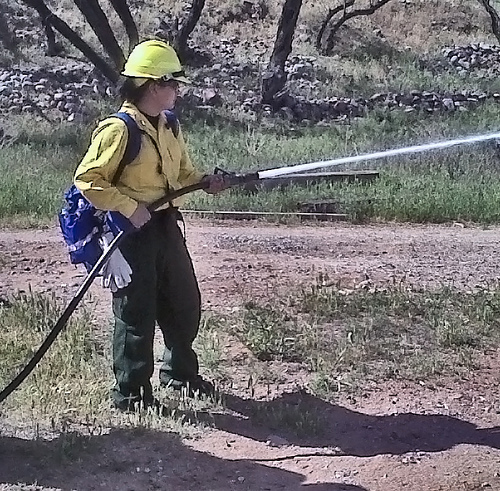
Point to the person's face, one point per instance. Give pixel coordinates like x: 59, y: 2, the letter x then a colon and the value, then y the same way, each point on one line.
x: 167, y: 92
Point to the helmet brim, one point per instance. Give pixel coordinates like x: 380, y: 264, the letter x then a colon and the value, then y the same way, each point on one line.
x: 182, y: 79
x: 141, y: 79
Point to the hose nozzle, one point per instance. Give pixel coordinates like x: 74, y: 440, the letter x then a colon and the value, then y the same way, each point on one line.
x: 233, y: 179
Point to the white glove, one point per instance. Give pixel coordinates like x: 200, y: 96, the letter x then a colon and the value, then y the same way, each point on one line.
x: 116, y: 273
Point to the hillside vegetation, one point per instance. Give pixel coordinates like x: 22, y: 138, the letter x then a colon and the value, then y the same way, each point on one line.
x: 379, y: 63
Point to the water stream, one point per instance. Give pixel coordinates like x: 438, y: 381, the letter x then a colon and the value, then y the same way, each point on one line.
x: 293, y: 169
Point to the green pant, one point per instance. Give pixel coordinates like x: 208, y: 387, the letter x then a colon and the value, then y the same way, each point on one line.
x: 163, y: 290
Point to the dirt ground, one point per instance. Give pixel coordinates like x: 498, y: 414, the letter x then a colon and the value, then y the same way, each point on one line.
x: 394, y: 436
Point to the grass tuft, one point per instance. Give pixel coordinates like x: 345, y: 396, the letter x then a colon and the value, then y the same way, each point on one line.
x: 70, y: 380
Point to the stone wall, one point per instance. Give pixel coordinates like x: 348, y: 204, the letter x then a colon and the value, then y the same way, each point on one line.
x: 60, y: 93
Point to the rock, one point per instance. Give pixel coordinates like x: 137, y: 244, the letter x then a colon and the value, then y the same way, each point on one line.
x: 276, y: 441
x: 378, y: 97
x: 66, y: 88
x: 211, y: 97
x: 449, y: 104
x: 341, y: 107
x: 287, y: 113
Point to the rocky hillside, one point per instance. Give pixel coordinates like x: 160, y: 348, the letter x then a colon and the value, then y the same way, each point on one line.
x: 365, y: 72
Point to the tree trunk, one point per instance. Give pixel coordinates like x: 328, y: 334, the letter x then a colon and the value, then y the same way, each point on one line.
x: 53, y: 48
x: 274, y: 78
x: 98, y: 21
x: 47, y: 16
x: 7, y: 37
x: 123, y: 12
x: 187, y: 28
x: 495, y: 18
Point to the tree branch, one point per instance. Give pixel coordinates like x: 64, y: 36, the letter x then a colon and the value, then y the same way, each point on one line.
x: 188, y: 26
x: 47, y: 16
x: 99, y: 23
x: 347, y: 16
x: 121, y: 8
x: 328, y: 18
x: 495, y: 18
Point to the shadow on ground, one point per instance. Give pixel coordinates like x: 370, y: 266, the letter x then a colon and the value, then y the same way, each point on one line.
x: 305, y: 420
x: 141, y: 459
x: 138, y: 460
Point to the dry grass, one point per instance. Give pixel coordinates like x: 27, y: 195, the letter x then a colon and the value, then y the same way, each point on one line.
x: 384, y: 41
x: 71, y: 376
x: 433, y: 23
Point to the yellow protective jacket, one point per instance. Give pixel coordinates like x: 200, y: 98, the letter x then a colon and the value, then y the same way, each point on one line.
x: 155, y: 170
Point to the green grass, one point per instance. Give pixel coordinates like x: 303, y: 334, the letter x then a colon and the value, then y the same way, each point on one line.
x: 344, y: 339
x: 36, y: 167
x: 72, y: 379
x: 349, y: 338
x: 455, y: 184
x: 269, y: 333
x: 72, y: 382
x: 299, y: 418
x: 208, y: 346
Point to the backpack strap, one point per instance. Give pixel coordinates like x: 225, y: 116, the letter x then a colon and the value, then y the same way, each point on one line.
x: 172, y: 122
x: 133, y: 143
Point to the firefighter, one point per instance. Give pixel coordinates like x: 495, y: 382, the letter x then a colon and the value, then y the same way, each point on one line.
x: 151, y: 276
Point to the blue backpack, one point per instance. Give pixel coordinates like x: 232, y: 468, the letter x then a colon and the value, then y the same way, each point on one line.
x: 81, y: 223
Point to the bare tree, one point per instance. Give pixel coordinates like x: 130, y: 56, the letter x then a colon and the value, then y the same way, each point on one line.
x: 99, y: 23
x: 346, y: 11
x: 187, y: 27
x: 274, y: 78
x: 97, y: 19
x: 495, y: 18
x: 59, y: 25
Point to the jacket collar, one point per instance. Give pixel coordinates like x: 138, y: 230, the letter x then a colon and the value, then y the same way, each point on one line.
x: 140, y: 118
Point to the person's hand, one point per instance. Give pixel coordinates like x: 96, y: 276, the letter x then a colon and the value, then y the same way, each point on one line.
x: 216, y: 183
x: 140, y: 216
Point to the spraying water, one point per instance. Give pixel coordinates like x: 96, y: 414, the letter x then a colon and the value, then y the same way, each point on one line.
x: 376, y: 155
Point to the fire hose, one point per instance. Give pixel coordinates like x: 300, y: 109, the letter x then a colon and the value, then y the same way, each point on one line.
x: 230, y: 180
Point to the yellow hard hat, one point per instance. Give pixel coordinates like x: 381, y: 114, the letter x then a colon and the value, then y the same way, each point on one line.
x: 156, y: 60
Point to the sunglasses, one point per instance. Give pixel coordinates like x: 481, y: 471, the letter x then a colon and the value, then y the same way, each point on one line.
x: 169, y: 78
x: 168, y: 83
